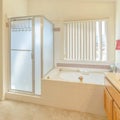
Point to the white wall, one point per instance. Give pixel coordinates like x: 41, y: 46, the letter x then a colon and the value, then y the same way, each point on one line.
x: 118, y: 19
x: 118, y: 31
x: 73, y: 9
x: 10, y: 8
x: 14, y: 8
x: 58, y: 11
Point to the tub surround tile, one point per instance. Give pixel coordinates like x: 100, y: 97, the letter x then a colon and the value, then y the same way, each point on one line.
x: 83, y: 66
x: 12, y: 110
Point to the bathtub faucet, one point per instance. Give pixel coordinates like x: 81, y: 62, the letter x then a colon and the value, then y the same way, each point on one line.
x: 81, y: 78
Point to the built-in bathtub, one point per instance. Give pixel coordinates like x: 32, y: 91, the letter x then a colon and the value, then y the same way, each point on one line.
x: 66, y: 90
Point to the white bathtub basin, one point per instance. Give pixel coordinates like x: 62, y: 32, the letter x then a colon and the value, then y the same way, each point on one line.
x: 73, y: 75
x: 63, y: 88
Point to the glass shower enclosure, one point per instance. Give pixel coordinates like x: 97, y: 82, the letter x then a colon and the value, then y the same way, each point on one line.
x: 31, y: 53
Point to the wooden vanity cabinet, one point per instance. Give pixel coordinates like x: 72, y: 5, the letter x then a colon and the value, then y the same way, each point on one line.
x: 108, y: 102
x: 111, y: 101
x: 116, y: 112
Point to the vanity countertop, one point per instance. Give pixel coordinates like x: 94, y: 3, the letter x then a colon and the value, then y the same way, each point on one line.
x: 114, y: 78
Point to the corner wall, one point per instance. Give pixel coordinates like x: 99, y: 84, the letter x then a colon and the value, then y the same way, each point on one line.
x: 14, y: 8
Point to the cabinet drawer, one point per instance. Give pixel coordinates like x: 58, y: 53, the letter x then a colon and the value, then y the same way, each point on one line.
x: 113, y: 92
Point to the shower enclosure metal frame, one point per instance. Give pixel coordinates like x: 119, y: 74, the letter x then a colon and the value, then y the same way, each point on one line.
x: 33, y: 61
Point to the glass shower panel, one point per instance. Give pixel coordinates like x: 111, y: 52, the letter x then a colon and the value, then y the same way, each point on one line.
x: 37, y: 55
x: 21, y: 33
x: 48, y: 58
x: 21, y: 70
x: 21, y: 55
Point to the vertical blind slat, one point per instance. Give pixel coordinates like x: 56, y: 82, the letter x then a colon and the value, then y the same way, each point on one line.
x: 91, y: 42
x: 100, y: 30
x: 73, y: 41
x: 94, y: 40
x: 65, y: 41
x: 78, y: 54
x: 84, y: 40
x: 76, y: 41
x: 106, y: 35
x: 88, y: 41
x: 70, y: 42
x: 81, y: 40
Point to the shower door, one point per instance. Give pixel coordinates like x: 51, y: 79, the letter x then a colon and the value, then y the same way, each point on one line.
x: 31, y: 53
x: 22, y: 55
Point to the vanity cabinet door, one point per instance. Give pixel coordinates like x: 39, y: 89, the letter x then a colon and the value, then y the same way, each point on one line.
x: 108, y: 101
x: 116, y: 112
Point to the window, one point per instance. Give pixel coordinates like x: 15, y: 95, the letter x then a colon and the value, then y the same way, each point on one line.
x: 85, y: 40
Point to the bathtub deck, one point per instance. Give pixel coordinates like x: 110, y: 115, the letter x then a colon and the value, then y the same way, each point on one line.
x: 11, y: 110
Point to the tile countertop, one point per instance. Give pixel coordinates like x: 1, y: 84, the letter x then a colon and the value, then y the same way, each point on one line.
x: 114, y: 78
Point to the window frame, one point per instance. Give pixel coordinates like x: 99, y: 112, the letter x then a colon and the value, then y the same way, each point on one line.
x: 89, y: 61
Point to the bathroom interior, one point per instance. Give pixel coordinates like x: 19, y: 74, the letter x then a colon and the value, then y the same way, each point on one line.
x: 60, y: 60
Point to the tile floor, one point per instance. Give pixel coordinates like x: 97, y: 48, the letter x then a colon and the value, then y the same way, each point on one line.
x: 12, y: 110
